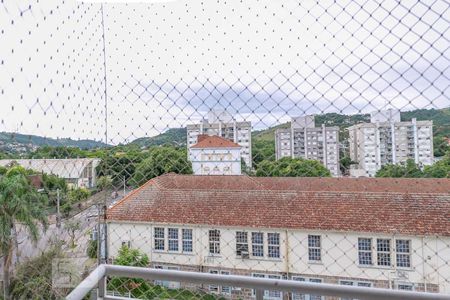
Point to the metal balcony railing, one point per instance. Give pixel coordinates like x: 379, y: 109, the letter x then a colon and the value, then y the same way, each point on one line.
x: 98, y: 278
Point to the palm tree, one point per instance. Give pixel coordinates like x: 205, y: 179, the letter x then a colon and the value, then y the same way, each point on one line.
x: 20, y: 203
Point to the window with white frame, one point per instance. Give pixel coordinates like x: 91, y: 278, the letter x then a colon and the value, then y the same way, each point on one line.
x: 187, y: 242
x: 241, y: 243
x: 225, y: 289
x: 405, y: 286
x: 167, y: 284
x: 297, y: 296
x: 384, y: 252
x: 314, y: 248
x: 403, y: 253
x: 269, y: 294
x: 365, y: 251
x: 273, y: 244
x: 213, y: 288
x: 257, y: 244
x: 173, y: 239
x: 214, y: 241
x: 354, y: 283
x: 126, y: 244
x: 159, y: 238
x: 219, y: 289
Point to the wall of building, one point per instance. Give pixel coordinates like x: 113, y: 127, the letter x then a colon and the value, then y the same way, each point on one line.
x: 374, y: 145
x: 215, y: 161
x: 339, y: 255
x: 238, y: 132
x: 316, y: 143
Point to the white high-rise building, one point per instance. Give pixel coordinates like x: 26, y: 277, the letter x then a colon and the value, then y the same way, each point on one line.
x: 387, y: 140
x: 223, y: 124
x: 304, y: 140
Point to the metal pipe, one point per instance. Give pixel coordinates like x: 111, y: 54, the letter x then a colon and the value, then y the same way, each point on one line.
x: 270, y: 284
x: 88, y: 284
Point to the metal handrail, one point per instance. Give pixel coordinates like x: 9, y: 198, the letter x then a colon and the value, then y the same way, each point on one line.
x: 98, y: 277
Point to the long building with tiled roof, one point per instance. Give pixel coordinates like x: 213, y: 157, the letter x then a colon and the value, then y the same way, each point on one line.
x: 335, y: 229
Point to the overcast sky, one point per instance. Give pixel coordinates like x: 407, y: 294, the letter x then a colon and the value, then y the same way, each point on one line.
x: 169, y: 63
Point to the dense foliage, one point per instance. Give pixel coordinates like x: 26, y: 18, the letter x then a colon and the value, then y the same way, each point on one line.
x: 440, y: 169
x: 19, y: 203
x: 292, y: 167
x: 142, y: 289
x: 263, y: 150
x: 63, y: 152
x: 33, y: 278
x: 138, y: 287
x: 161, y: 160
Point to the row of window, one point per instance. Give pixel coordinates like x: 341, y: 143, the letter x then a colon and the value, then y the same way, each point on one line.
x: 260, y: 245
x: 173, y: 239
x: 384, y: 252
x: 272, y: 294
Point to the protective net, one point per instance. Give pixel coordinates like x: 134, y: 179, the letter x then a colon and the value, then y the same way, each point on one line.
x: 110, y: 113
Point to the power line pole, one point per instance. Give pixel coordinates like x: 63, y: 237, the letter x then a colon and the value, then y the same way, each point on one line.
x: 58, y: 215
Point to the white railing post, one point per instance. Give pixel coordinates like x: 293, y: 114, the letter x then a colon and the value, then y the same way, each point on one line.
x: 101, y: 289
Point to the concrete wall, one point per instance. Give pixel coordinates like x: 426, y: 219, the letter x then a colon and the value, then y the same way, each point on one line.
x: 339, y: 251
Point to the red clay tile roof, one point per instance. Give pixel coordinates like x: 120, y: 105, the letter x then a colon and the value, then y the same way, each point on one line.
x: 213, y: 141
x: 363, y: 205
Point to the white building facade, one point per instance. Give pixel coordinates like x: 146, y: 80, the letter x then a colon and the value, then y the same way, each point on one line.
x: 214, y: 155
x: 387, y: 140
x: 304, y: 140
x: 78, y: 172
x: 323, y: 230
x: 221, y: 123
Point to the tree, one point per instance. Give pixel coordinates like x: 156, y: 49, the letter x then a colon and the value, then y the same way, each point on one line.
x: 72, y: 226
x: 405, y: 169
x: 292, y: 167
x: 441, y: 145
x: 440, y: 169
x: 345, y: 163
x: 262, y: 150
x: 104, y: 183
x: 160, y: 161
x: 3, y: 170
x: 92, y: 248
x: 33, y: 278
x: 19, y: 203
x: 139, y: 288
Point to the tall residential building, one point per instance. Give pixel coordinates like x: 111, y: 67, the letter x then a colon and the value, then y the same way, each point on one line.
x: 223, y: 124
x: 387, y: 140
x: 214, y: 155
x: 304, y: 140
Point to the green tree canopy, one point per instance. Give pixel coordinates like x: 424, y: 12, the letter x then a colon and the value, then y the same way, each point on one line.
x: 139, y: 288
x: 292, y: 167
x: 407, y: 169
x: 33, y: 278
x: 19, y: 203
x: 440, y: 169
x: 161, y: 160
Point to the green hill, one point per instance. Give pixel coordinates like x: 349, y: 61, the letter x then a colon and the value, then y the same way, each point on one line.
x: 22, y: 143
x: 173, y: 136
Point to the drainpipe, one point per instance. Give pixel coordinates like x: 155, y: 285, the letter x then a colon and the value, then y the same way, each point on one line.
x: 423, y: 266
x: 286, y: 268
